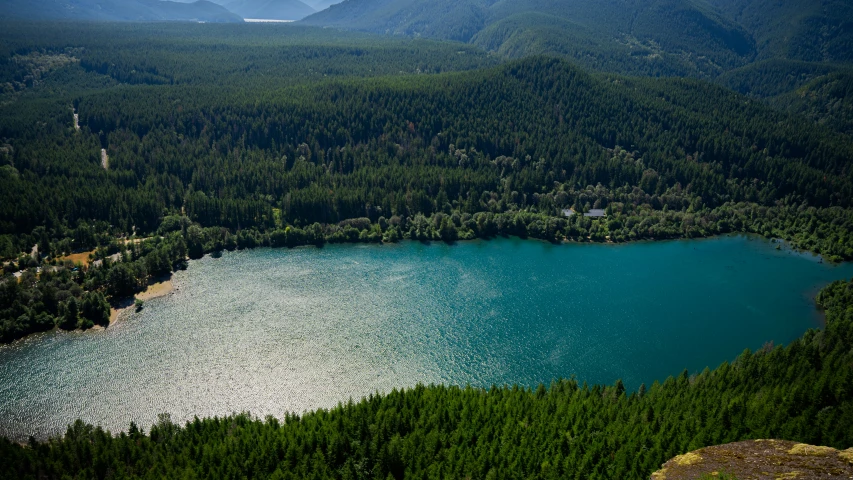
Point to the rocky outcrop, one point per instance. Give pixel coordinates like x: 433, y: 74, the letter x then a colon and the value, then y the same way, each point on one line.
x: 760, y: 460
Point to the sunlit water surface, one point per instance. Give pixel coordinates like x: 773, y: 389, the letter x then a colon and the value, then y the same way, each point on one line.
x: 269, y: 331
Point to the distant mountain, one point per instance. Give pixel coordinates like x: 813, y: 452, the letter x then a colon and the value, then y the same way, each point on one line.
x: 658, y: 37
x: 320, y: 5
x: 703, y: 38
x: 805, y: 30
x: 270, y: 9
x: 445, y: 19
x: 117, y: 10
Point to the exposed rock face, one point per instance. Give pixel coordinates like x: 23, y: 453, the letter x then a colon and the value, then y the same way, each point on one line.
x: 760, y: 460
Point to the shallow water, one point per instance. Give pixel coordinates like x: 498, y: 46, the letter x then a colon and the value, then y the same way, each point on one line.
x: 270, y: 331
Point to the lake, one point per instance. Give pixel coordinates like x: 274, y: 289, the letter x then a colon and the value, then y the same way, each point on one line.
x: 275, y: 330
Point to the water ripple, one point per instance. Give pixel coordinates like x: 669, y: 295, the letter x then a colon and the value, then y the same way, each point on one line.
x: 270, y: 331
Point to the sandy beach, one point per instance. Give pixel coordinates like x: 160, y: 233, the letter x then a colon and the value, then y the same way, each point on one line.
x: 154, y: 290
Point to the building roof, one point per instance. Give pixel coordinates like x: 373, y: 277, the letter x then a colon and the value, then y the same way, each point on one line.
x: 595, y: 212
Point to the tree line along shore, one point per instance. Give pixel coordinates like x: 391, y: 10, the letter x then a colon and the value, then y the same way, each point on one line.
x: 41, y: 291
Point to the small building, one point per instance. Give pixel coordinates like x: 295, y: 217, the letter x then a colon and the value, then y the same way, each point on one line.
x: 568, y: 212
x: 595, y: 213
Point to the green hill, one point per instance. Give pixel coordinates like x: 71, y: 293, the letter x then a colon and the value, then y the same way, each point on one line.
x: 810, y: 30
x: 695, y: 39
x: 769, y: 78
x: 529, y: 33
x: 827, y: 100
x: 759, y: 48
x: 723, y: 33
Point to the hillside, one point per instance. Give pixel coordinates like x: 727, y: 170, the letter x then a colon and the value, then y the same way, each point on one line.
x: 685, y: 37
x: 722, y: 34
x: 320, y: 5
x: 827, y: 100
x: 270, y: 9
x: 680, y: 132
x: 809, y: 30
x: 117, y: 10
x: 770, y: 78
x: 535, y: 33
x: 716, y: 39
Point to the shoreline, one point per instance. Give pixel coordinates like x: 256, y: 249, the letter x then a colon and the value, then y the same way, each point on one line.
x: 122, y: 332
x: 156, y: 289
x: 163, y: 285
x: 786, y: 245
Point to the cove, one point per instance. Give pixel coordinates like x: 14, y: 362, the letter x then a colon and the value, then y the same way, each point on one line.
x: 276, y: 330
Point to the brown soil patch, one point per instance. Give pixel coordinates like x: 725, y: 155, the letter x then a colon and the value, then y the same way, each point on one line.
x: 760, y: 460
x: 76, y: 258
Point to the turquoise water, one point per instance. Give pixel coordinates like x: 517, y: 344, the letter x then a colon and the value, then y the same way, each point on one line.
x: 270, y: 331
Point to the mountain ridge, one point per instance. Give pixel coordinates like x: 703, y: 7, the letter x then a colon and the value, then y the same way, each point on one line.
x: 116, y: 10
x: 703, y: 38
x: 270, y: 9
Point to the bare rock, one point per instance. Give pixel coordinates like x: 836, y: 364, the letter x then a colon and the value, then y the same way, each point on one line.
x: 760, y: 460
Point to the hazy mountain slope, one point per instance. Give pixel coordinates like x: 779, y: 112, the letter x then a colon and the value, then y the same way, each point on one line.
x: 201, y: 10
x: 691, y: 26
x: 605, y: 16
x: 810, y: 30
x: 367, y: 15
x: 116, y: 10
x: 271, y: 9
x: 322, y: 4
x: 711, y: 36
x: 698, y: 40
x: 530, y: 33
x: 443, y: 19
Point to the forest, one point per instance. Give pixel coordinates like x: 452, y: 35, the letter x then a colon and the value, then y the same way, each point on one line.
x: 568, y: 429
x: 195, y: 141
x: 139, y: 147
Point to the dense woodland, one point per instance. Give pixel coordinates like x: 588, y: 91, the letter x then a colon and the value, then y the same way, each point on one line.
x: 766, y: 49
x: 213, y: 145
x: 801, y: 392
